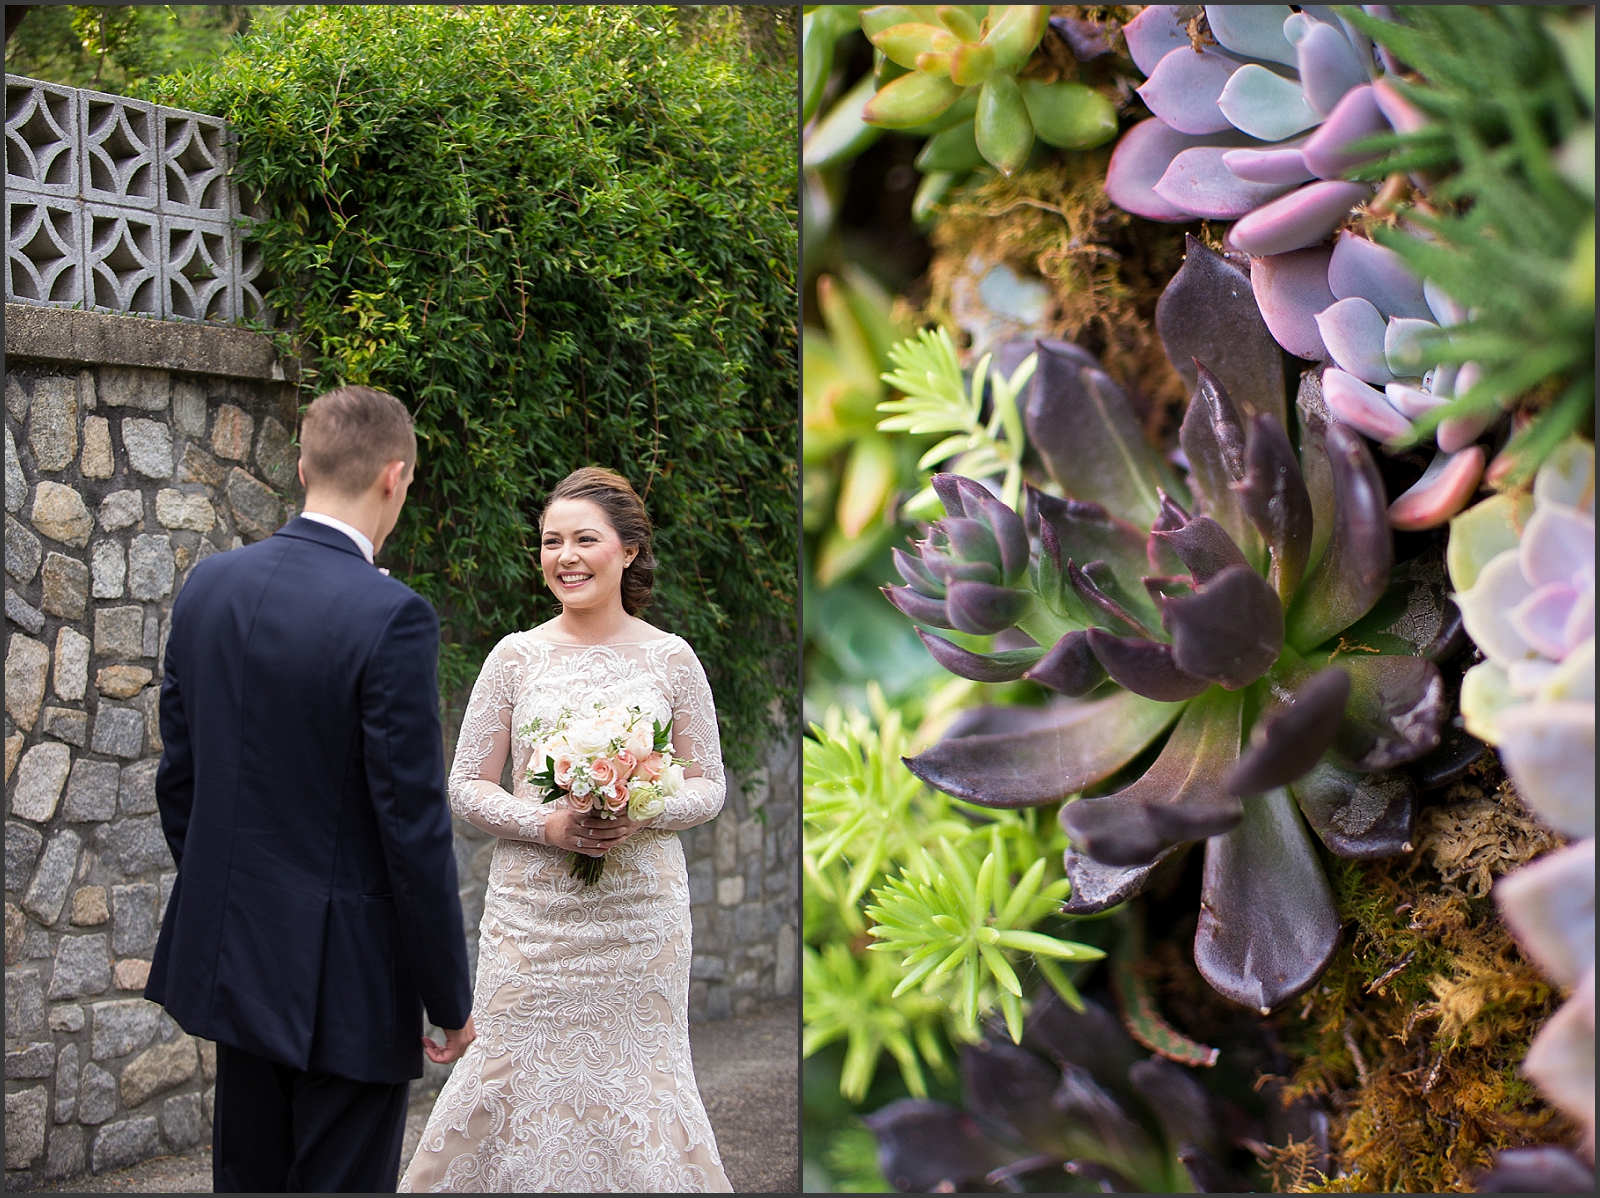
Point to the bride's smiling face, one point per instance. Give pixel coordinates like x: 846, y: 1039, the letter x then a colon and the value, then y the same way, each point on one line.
x: 581, y: 555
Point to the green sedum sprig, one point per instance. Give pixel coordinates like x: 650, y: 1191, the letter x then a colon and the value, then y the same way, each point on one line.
x: 939, y: 399
x: 960, y: 925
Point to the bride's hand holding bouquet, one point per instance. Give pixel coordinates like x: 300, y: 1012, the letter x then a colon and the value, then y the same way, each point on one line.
x: 614, y: 770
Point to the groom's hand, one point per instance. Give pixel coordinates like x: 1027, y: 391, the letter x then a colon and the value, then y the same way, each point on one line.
x: 455, y: 1043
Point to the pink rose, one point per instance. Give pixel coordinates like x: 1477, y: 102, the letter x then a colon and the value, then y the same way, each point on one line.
x: 652, y: 766
x: 602, y: 771
x: 625, y: 762
x: 581, y: 803
x: 564, y: 765
x: 619, y: 797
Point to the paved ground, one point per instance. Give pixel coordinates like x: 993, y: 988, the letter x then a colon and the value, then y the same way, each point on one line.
x: 747, y: 1069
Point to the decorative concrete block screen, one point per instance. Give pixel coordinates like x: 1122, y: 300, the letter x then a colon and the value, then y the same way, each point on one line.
x: 117, y: 205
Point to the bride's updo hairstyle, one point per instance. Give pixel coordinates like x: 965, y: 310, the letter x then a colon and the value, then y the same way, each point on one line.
x: 615, y: 496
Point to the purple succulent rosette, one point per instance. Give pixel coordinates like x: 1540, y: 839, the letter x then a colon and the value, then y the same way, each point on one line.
x: 1208, y: 610
x: 1256, y: 128
x: 1357, y: 306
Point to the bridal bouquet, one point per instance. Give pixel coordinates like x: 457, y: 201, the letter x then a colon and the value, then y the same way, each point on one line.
x: 608, y: 760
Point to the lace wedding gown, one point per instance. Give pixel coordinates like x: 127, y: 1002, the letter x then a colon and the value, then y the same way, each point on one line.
x: 580, y: 1080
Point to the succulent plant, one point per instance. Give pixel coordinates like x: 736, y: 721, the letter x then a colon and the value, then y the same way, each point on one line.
x: 1237, y: 627
x: 851, y: 469
x: 1527, y: 599
x: 1358, y: 306
x: 1077, y: 1107
x: 1254, y: 125
x: 971, y: 55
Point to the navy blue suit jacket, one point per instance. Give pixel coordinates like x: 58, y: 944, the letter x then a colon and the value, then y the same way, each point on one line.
x: 301, y: 790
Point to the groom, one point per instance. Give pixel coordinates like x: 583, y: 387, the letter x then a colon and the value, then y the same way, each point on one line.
x: 315, y: 913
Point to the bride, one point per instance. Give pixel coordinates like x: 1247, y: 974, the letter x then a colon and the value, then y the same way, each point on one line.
x: 580, y: 1080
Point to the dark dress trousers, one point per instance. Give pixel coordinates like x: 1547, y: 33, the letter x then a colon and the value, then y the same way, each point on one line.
x: 315, y: 913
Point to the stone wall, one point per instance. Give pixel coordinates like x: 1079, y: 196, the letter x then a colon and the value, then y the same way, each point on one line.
x: 135, y: 448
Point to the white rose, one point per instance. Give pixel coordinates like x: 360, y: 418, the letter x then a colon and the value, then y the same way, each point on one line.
x: 672, y: 780
x: 640, y: 741
x: 588, y: 739
x: 645, y: 802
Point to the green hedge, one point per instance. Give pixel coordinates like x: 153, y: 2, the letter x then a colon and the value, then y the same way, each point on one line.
x: 563, y: 236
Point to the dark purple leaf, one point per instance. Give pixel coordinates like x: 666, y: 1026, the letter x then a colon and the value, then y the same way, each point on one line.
x: 1185, y: 789
x: 1113, y: 829
x: 1180, y: 797
x: 1208, y: 313
x: 1209, y: 1176
x: 1085, y: 1105
x: 1275, y: 498
x: 917, y: 576
x: 1103, y: 1180
x: 1416, y: 615
x: 1180, y: 1104
x: 1163, y: 587
x: 1002, y: 720
x: 1354, y: 570
x: 1204, y: 547
x: 1031, y: 1172
x: 1007, y: 666
x: 919, y: 607
x: 1300, y: 219
x: 1010, y: 1086
x: 1230, y: 630
x: 948, y: 569
x: 1070, y: 667
x: 1545, y: 1169
x: 1199, y: 181
x: 955, y: 491
x: 1103, y: 608
x: 924, y: 1147
x: 1268, y: 924
x: 1287, y: 742
x: 971, y: 541
x: 1144, y: 667
x: 1097, y: 887
x: 1057, y: 751
x: 1092, y: 1039
x: 1010, y: 536
x: 1314, y: 465
x: 1290, y: 290
x: 1172, y: 514
x: 1458, y: 751
x: 1090, y: 440
x: 982, y: 608
x: 1213, y: 440
x: 1087, y: 532
x: 1360, y: 816
x: 1395, y: 709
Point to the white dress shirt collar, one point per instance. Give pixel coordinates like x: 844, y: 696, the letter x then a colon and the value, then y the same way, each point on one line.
x: 363, y: 542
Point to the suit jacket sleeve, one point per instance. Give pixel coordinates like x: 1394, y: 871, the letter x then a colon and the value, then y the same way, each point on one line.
x: 175, y: 775
x: 405, y: 775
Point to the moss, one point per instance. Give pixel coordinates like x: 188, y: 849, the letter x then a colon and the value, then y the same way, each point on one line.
x: 1414, y: 1035
x: 1105, y: 269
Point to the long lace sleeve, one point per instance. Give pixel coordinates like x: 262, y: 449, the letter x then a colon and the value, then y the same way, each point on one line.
x: 694, y: 737
x: 475, y: 791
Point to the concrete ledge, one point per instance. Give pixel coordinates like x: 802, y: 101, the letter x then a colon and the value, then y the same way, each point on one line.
x: 69, y: 335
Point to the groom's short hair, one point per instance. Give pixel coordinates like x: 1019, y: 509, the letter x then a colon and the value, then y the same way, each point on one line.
x: 350, y: 434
